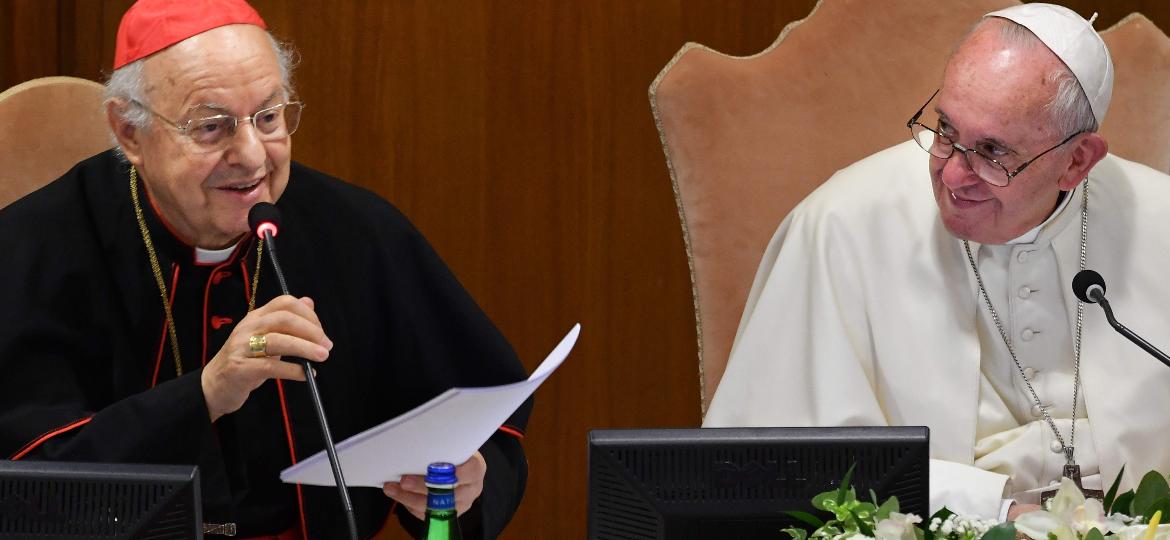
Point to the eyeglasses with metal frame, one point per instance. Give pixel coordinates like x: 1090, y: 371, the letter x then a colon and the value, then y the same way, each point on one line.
x: 215, y: 132
x: 987, y: 168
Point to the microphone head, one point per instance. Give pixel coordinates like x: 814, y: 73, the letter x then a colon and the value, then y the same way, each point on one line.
x: 264, y: 218
x: 1085, y: 281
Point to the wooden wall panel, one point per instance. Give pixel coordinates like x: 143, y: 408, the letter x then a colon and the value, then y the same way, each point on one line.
x: 28, y: 40
x: 518, y: 137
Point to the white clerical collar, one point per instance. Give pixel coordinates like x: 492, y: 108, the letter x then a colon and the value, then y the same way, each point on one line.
x: 1030, y: 236
x: 213, y: 256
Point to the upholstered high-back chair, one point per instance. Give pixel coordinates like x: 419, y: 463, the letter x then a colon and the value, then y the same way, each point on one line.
x: 46, y: 126
x: 748, y: 138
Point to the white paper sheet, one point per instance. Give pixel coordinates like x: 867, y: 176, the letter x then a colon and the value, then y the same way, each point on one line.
x: 451, y: 427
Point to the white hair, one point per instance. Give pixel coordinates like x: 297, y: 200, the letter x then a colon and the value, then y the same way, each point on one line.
x: 128, y: 85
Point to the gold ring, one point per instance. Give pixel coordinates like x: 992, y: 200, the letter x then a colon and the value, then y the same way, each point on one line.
x: 258, y: 345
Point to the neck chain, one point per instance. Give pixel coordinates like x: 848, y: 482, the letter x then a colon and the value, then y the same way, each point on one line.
x: 158, y: 276
x: 1068, y: 448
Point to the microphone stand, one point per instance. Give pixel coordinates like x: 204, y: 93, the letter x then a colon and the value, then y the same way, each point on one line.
x: 1145, y: 345
x: 346, y: 504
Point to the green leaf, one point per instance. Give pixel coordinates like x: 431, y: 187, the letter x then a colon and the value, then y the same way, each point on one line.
x: 1111, y: 495
x: 796, y: 533
x: 818, y: 502
x: 1163, y: 504
x: 942, y: 514
x: 806, y: 518
x: 1094, y: 534
x: 883, y: 511
x: 873, y: 497
x: 845, y: 484
x: 850, y: 497
x: 1124, y: 504
x: 832, y: 526
x: 1003, y: 531
x: 831, y: 529
x: 862, y: 526
x: 1152, y: 487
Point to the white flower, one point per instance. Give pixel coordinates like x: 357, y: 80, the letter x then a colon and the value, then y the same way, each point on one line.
x: 1091, y: 515
x: 1040, y: 523
x: 896, y: 527
x: 957, y: 526
x: 1136, y: 532
x: 1069, y: 516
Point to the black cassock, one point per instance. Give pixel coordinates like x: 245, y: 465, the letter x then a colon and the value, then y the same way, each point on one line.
x: 88, y: 374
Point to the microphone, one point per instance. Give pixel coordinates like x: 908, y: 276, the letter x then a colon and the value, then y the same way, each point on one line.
x: 1089, y: 287
x: 264, y: 220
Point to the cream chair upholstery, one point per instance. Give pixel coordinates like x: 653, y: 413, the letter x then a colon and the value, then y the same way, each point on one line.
x: 747, y: 138
x: 46, y: 126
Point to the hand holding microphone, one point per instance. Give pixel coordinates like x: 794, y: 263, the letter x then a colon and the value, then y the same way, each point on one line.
x: 264, y: 220
x: 286, y: 326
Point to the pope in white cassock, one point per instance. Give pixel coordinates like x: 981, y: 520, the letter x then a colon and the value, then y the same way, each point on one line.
x: 932, y: 287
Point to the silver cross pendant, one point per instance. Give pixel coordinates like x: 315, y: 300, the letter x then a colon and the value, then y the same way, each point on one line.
x: 1072, y: 471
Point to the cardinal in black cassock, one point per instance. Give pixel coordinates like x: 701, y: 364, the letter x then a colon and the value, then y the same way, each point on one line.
x: 110, y: 316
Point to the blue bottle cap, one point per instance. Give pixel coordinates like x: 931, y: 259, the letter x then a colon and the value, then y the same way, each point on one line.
x: 441, y: 474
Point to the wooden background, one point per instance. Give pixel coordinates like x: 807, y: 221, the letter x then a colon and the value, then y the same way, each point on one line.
x: 517, y: 136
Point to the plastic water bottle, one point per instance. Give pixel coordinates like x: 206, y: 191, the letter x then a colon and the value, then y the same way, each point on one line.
x: 441, y: 521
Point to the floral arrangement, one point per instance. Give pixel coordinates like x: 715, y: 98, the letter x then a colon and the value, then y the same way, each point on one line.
x: 1133, y: 515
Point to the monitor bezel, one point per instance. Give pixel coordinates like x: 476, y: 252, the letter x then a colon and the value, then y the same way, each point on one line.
x: 46, y: 474
x: 915, y: 469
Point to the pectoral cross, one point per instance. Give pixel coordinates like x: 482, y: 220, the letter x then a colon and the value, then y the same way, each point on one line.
x: 1072, y: 471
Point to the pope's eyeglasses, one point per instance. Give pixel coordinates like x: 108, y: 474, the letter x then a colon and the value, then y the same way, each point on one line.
x: 985, y: 167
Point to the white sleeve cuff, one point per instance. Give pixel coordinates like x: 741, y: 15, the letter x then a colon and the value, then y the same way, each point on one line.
x: 1003, y: 510
x: 967, y: 490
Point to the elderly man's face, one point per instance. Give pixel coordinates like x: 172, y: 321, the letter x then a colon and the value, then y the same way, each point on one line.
x: 992, y: 99
x: 205, y: 196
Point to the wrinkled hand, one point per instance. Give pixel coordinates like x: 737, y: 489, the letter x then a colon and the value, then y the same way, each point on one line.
x: 411, y: 492
x: 291, y: 328
x: 1017, y: 509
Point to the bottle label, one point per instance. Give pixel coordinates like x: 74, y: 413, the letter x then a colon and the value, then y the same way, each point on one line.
x: 441, y: 501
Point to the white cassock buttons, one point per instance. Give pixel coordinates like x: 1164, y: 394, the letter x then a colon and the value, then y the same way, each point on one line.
x: 1025, y: 292
x: 1022, y: 256
x: 1056, y: 447
x: 1027, y: 334
x: 1037, y: 412
x: 1030, y: 373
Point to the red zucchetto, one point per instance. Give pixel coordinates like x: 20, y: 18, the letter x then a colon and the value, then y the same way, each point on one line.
x: 150, y: 26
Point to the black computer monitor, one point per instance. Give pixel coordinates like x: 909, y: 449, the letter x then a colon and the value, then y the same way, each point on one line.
x: 716, y: 483
x: 60, y: 500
